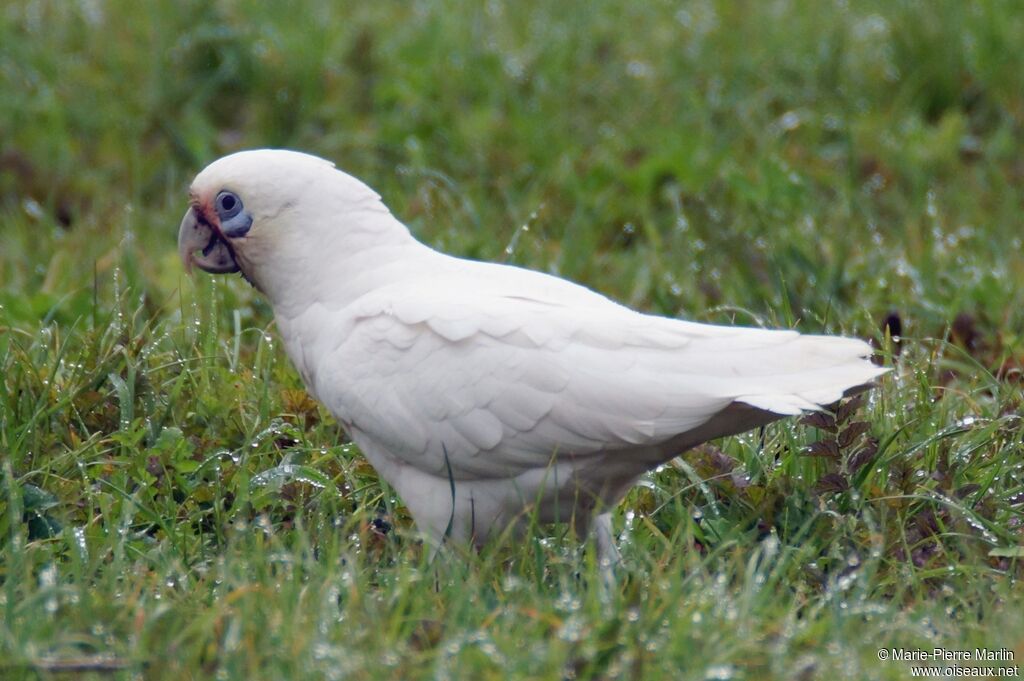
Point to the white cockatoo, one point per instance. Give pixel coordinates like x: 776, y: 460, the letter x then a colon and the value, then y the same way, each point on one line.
x: 484, y: 393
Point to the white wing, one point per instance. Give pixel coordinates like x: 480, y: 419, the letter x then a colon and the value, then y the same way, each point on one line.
x: 493, y: 370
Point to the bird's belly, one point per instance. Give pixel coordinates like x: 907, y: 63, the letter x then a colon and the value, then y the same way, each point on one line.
x: 474, y: 510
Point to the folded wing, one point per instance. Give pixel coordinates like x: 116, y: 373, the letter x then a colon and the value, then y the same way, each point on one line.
x: 497, y: 378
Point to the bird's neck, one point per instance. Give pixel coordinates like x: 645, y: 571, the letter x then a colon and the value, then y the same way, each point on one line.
x: 338, y: 265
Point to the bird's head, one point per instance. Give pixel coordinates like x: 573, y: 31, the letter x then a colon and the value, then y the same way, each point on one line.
x: 269, y: 211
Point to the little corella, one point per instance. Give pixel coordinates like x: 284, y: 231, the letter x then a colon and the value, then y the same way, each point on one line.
x: 487, y: 393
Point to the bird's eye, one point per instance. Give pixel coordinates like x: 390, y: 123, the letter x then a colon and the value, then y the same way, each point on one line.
x: 228, y: 205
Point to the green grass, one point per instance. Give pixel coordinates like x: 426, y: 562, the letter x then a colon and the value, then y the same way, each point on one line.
x: 172, y: 504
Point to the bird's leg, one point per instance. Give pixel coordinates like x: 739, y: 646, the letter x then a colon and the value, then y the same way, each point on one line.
x: 608, y: 556
x: 607, y: 551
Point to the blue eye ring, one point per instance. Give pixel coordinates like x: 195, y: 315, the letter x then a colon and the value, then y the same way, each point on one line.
x: 228, y: 205
x: 234, y: 221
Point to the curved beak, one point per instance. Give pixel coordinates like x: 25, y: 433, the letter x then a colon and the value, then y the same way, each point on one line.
x: 201, y: 243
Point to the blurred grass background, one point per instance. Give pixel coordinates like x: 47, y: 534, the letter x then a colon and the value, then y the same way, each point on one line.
x: 174, y: 504
x: 677, y: 156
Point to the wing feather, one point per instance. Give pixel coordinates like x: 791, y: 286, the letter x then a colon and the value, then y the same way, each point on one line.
x: 463, y: 371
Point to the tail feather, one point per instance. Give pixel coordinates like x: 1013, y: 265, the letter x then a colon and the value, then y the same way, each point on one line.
x: 812, y: 371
